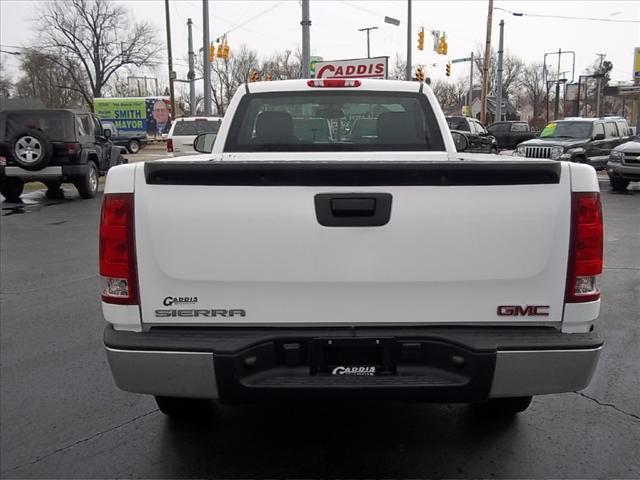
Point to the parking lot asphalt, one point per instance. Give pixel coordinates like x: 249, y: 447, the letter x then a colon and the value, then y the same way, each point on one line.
x: 61, y: 416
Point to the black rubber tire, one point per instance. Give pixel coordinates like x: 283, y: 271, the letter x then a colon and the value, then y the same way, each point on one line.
x: 178, y: 407
x: 45, y: 150
x: 88, y: 185
x: 133, y: 146
x: 11, y: 188
x: 619, y: 184
x: 507, y: 406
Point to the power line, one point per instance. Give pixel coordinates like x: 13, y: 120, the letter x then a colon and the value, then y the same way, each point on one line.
x: 254, y: 17
x: 614, y: 20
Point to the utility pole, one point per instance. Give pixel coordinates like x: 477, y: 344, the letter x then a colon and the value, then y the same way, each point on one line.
x: 485, y: 65
x: 306, y: 39
x: 470, y: 84
x: 191, y: 74
x: 556, y: 102
x: 408, y: 67
x: 601, y: 55
x: 206, y: 65
x: 499, y: 82
x: 170, y: 58
x: 368, y: 29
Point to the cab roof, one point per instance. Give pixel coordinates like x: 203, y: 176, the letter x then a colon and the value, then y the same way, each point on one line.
x: 301, y: 85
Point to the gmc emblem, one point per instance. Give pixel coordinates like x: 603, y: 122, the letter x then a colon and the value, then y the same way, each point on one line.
x: 526, y: 311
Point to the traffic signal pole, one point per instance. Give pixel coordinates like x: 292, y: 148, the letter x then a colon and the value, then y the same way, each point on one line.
x: 191, y: 75
x: 170, y: 59
x: 306, y: 39
x: 471, y: 84
x: 485, y: 66
x: 206, y: 66
x: 499, y: 82
x: 408, y: 67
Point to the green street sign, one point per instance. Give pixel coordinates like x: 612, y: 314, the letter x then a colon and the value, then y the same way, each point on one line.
x: 460, y: 60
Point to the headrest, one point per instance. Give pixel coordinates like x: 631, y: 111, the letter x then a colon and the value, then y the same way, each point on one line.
x: 274, y: 124
x: 396, y: 127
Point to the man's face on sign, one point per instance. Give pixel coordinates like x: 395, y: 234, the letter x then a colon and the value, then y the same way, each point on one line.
x: 160, y: 112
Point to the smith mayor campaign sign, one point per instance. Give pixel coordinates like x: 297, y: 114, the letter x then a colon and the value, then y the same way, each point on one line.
x: 132, y: 114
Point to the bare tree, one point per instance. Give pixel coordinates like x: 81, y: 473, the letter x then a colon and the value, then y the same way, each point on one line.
x: 512, y: 69
x: 6, y: 86
x: 228, y: 75
x: 533, y: 89
x: 42, y: 78
x: 184, y: 99
x: 397, y: 70
x: 92, y: 40
x: 283, y: 65
x: 451, y: 94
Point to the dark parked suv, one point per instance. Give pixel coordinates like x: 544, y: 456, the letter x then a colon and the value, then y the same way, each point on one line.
x: 53, y: 146
x: 583, y: 140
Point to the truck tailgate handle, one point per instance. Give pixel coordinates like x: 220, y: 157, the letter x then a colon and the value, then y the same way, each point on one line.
x: 353, y: 209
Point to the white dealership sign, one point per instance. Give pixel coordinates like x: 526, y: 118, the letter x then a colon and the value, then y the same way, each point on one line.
x: 357, y: 68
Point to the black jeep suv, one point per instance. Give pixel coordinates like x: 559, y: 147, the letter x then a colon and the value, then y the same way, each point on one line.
x: 54, y: 146
x: 584, y: 140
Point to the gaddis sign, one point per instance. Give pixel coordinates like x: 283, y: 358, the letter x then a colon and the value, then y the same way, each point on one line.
x: 357, y: 68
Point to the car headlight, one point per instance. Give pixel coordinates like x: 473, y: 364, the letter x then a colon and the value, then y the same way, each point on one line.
x: 556, y: 152
x: 521, y: 151
x: 616, y: 156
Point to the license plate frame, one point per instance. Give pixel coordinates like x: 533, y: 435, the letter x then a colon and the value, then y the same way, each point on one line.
x: 353, y: 356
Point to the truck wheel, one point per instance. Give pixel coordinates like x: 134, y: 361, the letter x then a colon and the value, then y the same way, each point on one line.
x: 11, y: 189
x: 507, y: 406
x: 618, y: 184
x: 133, y: 146
x: 31, y: 149
x: 87, y: 186
x: 178, y: 407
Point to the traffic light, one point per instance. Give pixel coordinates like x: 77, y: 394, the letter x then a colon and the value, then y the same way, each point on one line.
x: 448, y: 70
x: 443, y: 46
x: 225, y: 51
x: 212, y: 53
x: 220, y: 53
x: 254, y: 76
x: 421, y: 39
x: 269, y: 77
x: 419, y: 74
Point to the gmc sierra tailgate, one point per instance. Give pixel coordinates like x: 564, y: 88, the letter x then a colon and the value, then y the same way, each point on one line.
x: 352, y: 243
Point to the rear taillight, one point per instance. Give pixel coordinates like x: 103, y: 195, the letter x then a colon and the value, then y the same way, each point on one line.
x: 118, y: 272
x: 333, y: 83
x: 585, y: 248
x: 169, y: 145
x: 72, y: 148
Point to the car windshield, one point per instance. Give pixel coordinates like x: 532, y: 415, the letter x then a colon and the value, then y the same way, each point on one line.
x: 196, y: 127
x: 334, y: 121
x: 567, y: 130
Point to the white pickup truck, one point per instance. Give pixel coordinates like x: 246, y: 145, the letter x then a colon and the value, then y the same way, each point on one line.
x: 376, y: 262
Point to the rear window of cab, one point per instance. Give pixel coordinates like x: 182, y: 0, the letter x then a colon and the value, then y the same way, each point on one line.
x: 334, y: 121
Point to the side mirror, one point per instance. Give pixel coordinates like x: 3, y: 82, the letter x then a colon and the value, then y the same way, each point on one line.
x: 599, y: 136
x: 460, y: 141
x: 106, y: 132
x: 204, y: 142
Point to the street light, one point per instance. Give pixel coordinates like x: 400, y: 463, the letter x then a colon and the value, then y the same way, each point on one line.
x: 367, y: 29
x: 515, y: 14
